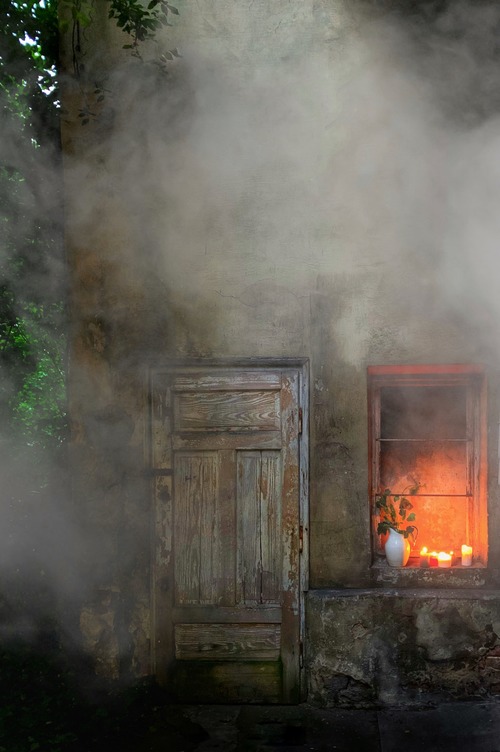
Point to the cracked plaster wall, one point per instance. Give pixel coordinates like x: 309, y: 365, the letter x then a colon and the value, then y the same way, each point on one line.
x: 396, y: 647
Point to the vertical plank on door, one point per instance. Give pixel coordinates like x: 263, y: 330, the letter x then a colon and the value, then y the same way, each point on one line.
x: 224, y: 537
x: 290, y: 538
x: 270, y: 511
x: 209, y: 563
x: 162, y: 565
x: 249, y: 554
x: 195, y: 482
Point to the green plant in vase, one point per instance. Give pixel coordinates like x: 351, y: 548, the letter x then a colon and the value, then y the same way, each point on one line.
x: 395, y: 511
x: 395, y: 516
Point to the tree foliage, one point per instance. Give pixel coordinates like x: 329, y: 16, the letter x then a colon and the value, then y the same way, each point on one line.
x: 32, y: 276
x: 139, y: 20
x: 32, y: 284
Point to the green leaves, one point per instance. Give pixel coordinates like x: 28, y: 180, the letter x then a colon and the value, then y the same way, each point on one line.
x: 32, y: 329
x: 395, y: 511
x: 141, y: 22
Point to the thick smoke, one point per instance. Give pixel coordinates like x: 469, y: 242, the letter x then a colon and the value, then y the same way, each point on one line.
x: 285, y: 147
x: 364, y: 134
x: 39, y: 542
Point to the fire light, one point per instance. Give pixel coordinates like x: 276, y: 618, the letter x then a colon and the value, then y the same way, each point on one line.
x: 424, y: 557
x: 444, y: 560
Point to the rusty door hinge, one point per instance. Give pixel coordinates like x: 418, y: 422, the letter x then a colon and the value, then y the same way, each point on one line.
x: 301, y: 654
x: 301, y: 538
x: 300, y: 421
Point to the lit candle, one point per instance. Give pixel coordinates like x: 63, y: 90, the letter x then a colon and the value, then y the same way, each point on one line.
x: 466, y: 555
x: 424, y: 557
x: 444, y: 560
x: 433, y: 559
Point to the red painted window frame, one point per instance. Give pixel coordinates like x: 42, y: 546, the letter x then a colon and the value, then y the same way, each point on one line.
x: 473, y: 377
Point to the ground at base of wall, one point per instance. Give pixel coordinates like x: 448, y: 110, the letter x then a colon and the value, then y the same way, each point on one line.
x: 219, y: 728
x: 51, y: 704
x: 441, y: 728
x: 44, y: 710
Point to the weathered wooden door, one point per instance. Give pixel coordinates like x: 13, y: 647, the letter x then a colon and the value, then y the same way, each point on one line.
x: 227, y: 463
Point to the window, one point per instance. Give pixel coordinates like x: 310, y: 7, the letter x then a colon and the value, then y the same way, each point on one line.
x: 427, y: 428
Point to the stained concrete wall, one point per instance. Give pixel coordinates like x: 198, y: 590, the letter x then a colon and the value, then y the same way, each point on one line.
x: 301, y: 183
x: 402, y: 647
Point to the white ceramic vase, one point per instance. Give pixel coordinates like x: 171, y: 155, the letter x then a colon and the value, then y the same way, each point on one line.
x: 397, y: 549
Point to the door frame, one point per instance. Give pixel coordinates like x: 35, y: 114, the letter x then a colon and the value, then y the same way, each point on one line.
x: 159, y: 558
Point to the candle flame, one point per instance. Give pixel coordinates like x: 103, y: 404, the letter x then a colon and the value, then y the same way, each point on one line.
x: 443, y: 556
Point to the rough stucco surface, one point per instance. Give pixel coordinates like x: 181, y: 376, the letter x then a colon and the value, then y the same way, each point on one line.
x: 394, y: 647
x: 262, y: 202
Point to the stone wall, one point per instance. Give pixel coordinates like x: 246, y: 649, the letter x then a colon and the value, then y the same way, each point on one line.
x: 401, y: 646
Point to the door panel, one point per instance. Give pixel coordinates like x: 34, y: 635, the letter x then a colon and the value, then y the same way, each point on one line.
x: 226, y: 411
x: 203, y: 533
x: 259, y: 520
x: 225, y: 452
x: 227, y: 642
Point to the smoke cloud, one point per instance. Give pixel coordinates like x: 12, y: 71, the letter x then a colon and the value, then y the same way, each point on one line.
x: 356, y: 138
x: 351, y: 145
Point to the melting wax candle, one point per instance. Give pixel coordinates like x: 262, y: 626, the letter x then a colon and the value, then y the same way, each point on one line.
x: 466, y: 555
x: 424, y: 557
x: 444, y: 560
x: 433, y: 559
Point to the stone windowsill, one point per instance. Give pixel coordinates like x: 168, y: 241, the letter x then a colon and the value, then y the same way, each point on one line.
x: 412, y: 575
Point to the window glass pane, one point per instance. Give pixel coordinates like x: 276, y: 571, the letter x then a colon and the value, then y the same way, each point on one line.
x: 438, y: 467
x: 442, y: 522
x: 423, y: 412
